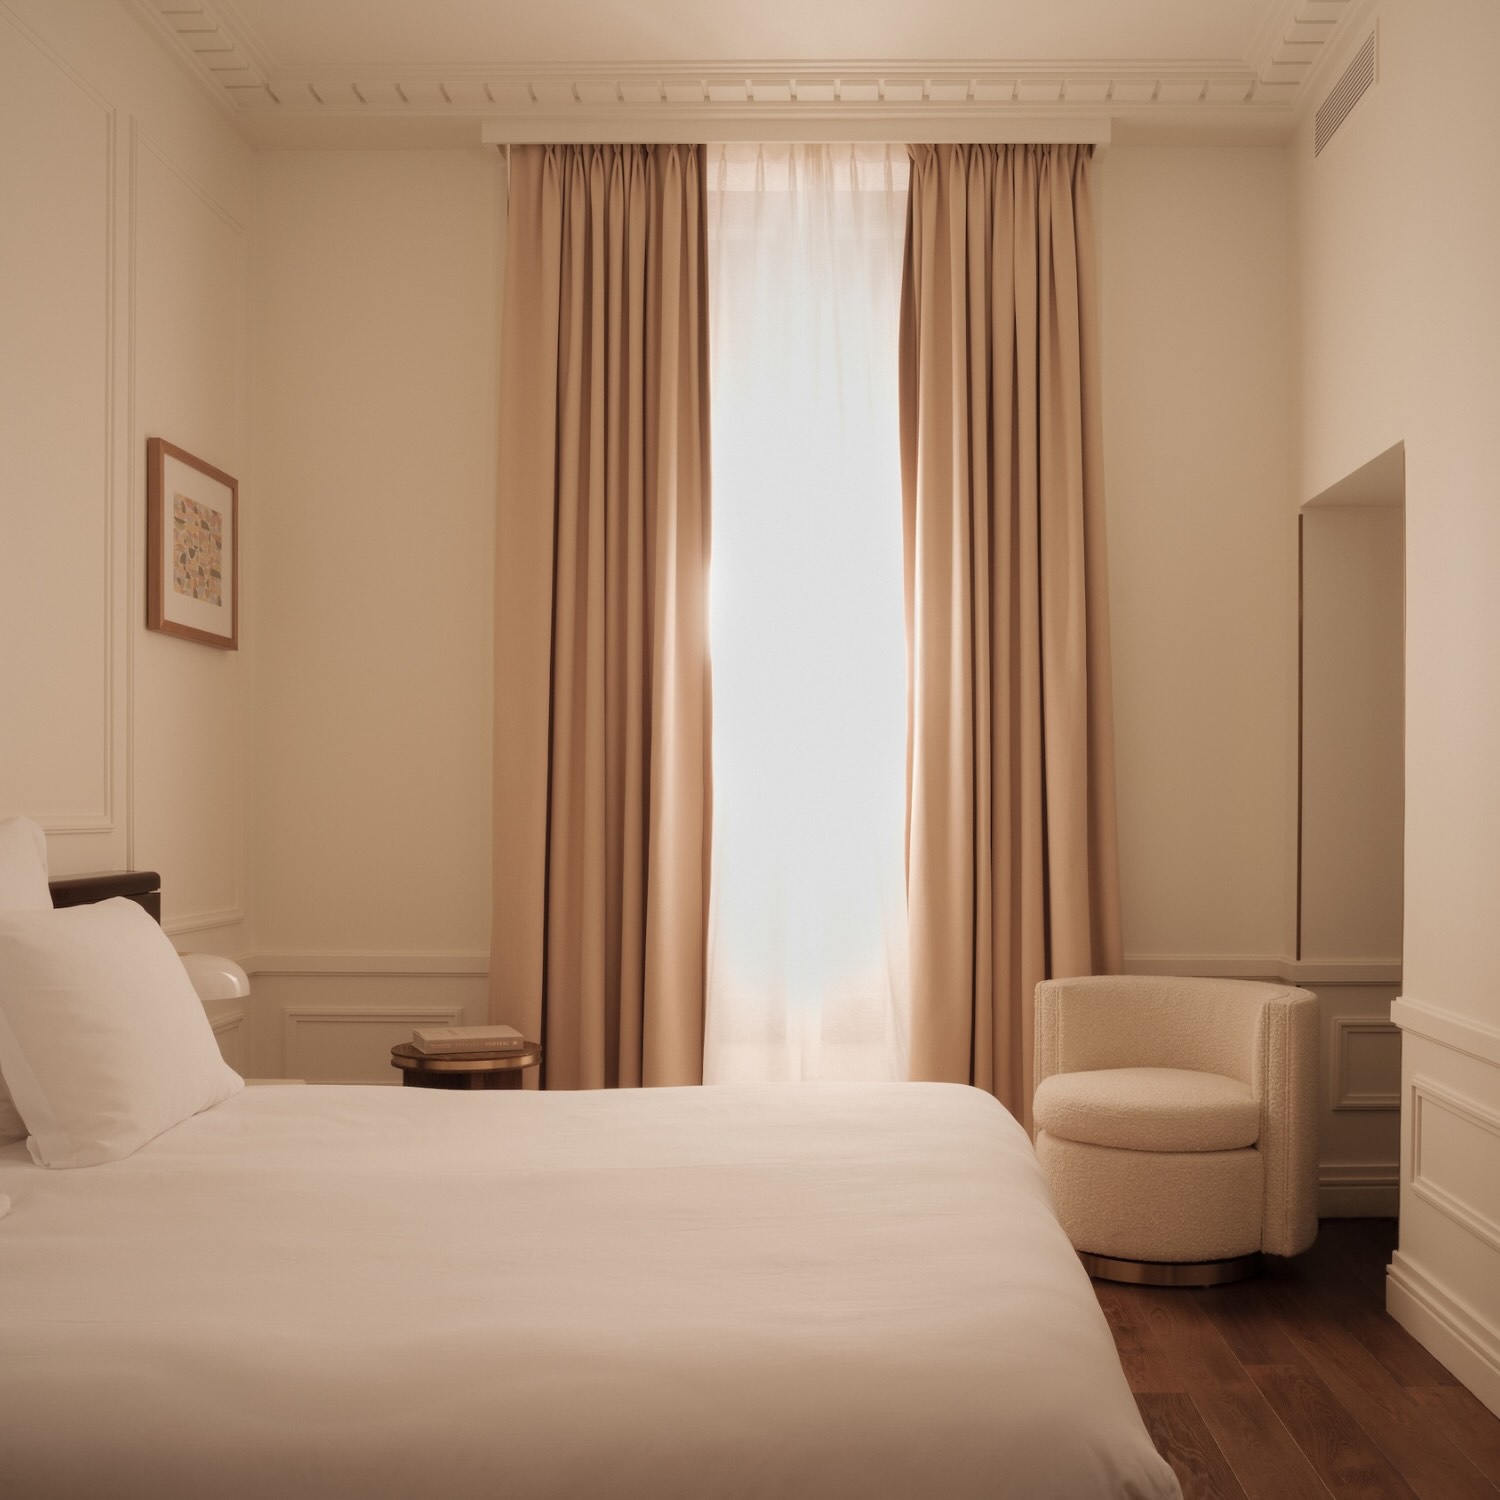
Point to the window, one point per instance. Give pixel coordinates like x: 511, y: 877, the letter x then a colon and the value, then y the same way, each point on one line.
x: 807, y: 942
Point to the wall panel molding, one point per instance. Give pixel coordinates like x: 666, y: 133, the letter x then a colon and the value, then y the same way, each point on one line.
x: 1447, y: 1028
x: 372, y: 965
x: 386, y: 1020
x: 1345, y: 1097
x: 1428, y: 1101
x: 1279, y: 968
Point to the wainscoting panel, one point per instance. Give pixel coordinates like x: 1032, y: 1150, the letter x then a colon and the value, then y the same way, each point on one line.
x: 1455, y: 1158
x: 333, y: 1018
x: 353, y: 1046
x: 1366, y: 1064
x: 1444, y: 1283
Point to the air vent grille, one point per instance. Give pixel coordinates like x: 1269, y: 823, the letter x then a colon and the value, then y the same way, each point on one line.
x: 1347, y: 92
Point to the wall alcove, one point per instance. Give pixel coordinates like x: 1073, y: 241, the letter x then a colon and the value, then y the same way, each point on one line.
x: 1350, y: 827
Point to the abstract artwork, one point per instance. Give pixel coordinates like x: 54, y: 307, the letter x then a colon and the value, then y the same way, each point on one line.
x: 192, y: 547
x: 197, y: 550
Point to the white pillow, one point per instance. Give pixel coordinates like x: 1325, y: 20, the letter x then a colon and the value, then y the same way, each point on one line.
x: 23, y: 887
x: 102, y: 1037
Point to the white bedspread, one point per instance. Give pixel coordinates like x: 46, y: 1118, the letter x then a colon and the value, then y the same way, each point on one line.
x: 818, y: 1291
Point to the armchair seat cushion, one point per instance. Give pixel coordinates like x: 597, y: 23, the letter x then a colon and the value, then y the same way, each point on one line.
x: 1149, y: 1109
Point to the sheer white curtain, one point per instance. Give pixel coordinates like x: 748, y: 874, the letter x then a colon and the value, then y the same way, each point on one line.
x: 807, y: 969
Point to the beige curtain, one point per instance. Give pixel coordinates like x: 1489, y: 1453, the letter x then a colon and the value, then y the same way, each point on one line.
x: 602, y: 730
x: 1011, y: 857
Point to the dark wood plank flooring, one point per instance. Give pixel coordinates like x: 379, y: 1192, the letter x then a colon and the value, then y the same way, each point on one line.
x: 1297, y: 1384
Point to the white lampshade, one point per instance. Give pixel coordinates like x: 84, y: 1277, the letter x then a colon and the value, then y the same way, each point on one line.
x: 216, y: 978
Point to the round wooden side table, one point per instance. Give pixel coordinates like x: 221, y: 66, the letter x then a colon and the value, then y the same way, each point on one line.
x: 464, y: 1070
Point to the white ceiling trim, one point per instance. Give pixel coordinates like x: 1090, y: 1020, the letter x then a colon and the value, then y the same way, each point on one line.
x: 777, y: 99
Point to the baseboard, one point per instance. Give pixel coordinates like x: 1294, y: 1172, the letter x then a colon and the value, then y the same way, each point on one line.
x: 1448, y: 1328
x: 205, y: 921
x: 1359, y: 1190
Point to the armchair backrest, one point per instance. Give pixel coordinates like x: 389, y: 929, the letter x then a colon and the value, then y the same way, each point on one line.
x: 1137, y: 1021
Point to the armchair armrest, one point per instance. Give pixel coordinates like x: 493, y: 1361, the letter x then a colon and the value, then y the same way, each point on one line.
x: 1286, y: 1086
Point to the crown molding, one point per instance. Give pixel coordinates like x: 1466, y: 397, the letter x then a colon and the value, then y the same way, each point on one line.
x: 815, y: 98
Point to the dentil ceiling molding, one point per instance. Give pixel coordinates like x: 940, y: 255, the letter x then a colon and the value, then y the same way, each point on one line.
x: 294, y: 101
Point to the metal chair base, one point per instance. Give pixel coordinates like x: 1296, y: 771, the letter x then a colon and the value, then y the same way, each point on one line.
x: 1170, y: 1273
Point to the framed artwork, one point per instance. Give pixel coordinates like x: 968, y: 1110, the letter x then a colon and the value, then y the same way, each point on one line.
x: 192, y: 548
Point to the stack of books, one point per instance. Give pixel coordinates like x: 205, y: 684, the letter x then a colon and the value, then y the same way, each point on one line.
x: 438, y: 1041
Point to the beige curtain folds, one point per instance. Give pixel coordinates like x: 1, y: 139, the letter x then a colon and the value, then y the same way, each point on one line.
x: 1011, y: 856
x: 602, y: 792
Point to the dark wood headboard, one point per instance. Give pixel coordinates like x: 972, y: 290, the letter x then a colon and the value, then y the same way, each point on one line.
x: 141, y: 886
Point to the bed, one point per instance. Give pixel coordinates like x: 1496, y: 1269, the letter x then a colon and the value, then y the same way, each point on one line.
x: 800, y: 1291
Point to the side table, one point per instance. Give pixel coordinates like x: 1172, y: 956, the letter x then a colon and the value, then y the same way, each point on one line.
x: 464, y: 1070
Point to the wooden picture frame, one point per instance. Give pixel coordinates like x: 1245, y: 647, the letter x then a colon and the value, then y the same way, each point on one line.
x: 192, y: 548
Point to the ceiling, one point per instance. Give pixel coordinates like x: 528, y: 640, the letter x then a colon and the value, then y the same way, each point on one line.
x: 355, y: 71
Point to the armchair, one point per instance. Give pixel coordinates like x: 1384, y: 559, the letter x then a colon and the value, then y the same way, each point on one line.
x: 1176, y: 1120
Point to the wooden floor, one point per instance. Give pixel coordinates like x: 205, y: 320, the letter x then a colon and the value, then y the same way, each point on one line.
x: 1297, y: 1384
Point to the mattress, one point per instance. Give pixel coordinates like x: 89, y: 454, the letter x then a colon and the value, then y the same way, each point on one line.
x: 802, y: 1291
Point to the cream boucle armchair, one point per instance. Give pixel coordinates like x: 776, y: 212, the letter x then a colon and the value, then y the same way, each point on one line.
x: 1176, y: 1120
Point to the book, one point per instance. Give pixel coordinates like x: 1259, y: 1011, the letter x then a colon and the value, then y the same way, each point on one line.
x: 435, y: 1040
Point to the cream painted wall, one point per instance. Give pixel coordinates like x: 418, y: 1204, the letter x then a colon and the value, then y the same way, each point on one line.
x: 1352, y: 732
x: 376, y: 314
x: 1397, y: 222
x: 1200, y: 429
x: 123, y: 279
x: 1197, y: 333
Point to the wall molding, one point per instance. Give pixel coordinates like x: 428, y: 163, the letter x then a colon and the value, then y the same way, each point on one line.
x: 1453, y: 1331
x: 1427, y: 1094
x: 1276, y: 968
x: 1447, y: 1028
x: 1343, y: 1097
x: 320, y: 965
